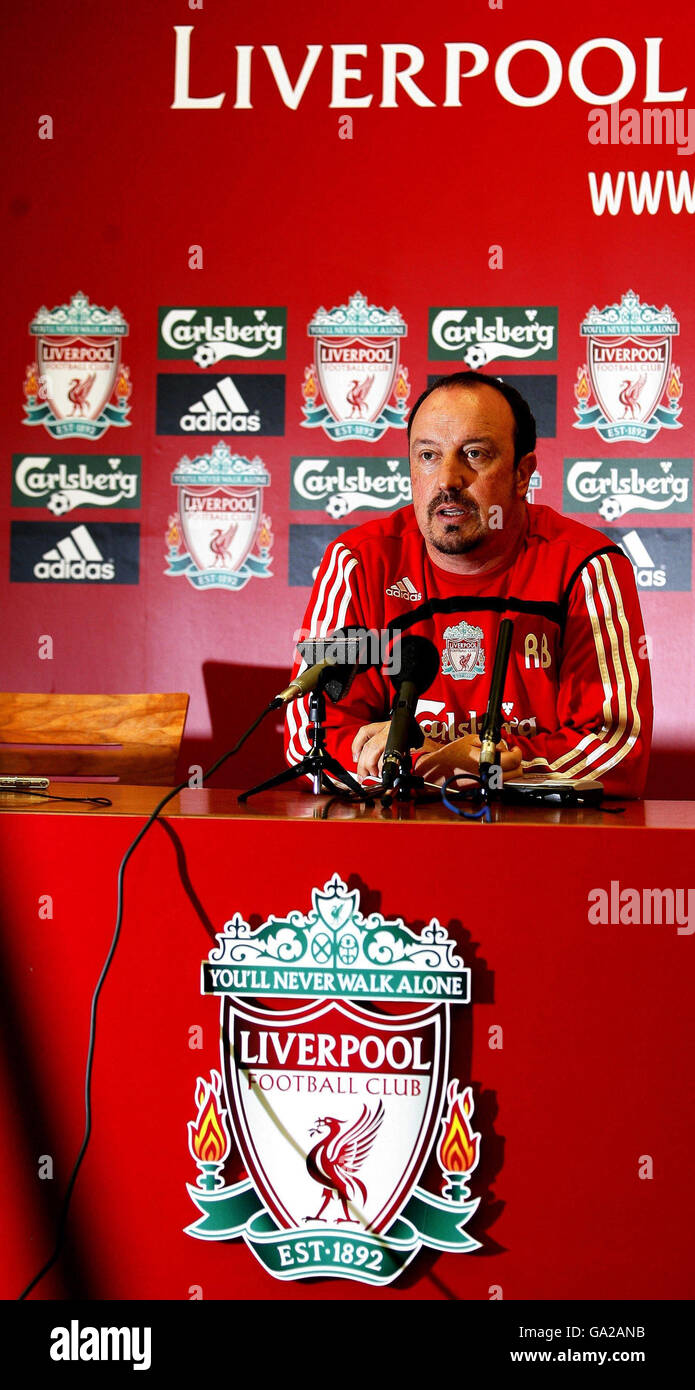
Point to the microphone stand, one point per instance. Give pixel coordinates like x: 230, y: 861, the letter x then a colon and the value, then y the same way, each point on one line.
x: 407, y: 785
x: 492, y: 723
x: 316, y: 763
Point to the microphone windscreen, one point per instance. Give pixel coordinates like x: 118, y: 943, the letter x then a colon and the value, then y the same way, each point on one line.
x: 336, y: 681
x: 345, y: 646
x: 418, y: 661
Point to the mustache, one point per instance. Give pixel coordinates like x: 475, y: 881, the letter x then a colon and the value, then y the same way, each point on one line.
x: 453, y: 497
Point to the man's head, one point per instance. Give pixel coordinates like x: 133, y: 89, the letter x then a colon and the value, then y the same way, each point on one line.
x: 471, y: 456
x: 524, y: 423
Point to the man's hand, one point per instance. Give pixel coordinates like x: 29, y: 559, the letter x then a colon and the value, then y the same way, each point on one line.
x: 368, y: 748
x: 438, y: 761
x: 435, y: 761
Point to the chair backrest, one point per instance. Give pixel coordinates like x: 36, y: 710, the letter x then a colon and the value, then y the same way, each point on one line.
x: 126, y: 738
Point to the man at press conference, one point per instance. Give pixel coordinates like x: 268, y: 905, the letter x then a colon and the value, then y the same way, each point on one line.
x: 469, y: 551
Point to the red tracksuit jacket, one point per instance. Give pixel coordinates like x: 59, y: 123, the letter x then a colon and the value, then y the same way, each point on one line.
x: 577, y: 697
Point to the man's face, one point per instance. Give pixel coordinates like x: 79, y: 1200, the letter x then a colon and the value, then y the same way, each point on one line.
x: 466, y: 491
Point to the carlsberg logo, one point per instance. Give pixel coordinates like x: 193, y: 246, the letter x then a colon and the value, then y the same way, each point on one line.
x: 480, y: 334
x: 343, y: 485
x: 61, y: 482
x: 620, y: 485
x: 209, y: 334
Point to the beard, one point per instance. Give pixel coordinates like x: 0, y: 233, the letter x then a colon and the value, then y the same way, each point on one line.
x: 447, y: 537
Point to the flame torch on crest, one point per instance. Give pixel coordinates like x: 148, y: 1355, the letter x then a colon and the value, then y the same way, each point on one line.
x: 208, y: 1137
x: 458, y: 1149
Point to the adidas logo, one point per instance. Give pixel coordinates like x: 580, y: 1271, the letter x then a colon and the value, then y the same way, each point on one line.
x: 222, y: 408
x: 75, y: 557
x: 647, y: 574
x: 404, y: 589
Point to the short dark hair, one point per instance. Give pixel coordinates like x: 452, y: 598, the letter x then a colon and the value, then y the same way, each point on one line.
x: 524, y: 423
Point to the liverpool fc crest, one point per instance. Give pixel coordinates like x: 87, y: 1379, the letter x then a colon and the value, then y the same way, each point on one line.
x: 220, y: 537
x: 463, y: 656
x: 628, y: 372
x: 334, y: 1083
x: 77, y: 385
x: 355, y: 388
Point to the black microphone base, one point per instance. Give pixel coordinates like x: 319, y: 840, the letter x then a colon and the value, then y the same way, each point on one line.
x: 409, y: 787
x: 311, y: 766
x: 316, y: 764
x: 490, y: 787
x: 400, y: 783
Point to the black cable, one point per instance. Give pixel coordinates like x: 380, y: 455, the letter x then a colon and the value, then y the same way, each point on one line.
x: 62, y: 1219
x: 368, y: 797
x: 50, y: 796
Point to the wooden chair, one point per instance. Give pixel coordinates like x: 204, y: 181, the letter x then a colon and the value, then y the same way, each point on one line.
x: 120, y: 738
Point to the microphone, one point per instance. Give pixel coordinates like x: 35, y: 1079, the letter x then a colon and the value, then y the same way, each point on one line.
x: 419, y: 662
x: 346, y: 646
x: 333, y: 664
x: 492, y: 723
x: 336, y: 680
x: 304, y: 683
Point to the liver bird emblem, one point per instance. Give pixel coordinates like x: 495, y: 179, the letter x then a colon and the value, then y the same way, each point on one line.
x: 629, y: 395
x: 221, y: 544
x: 357, y: 395
x: 79, y: 392
x: 338, y: 1157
